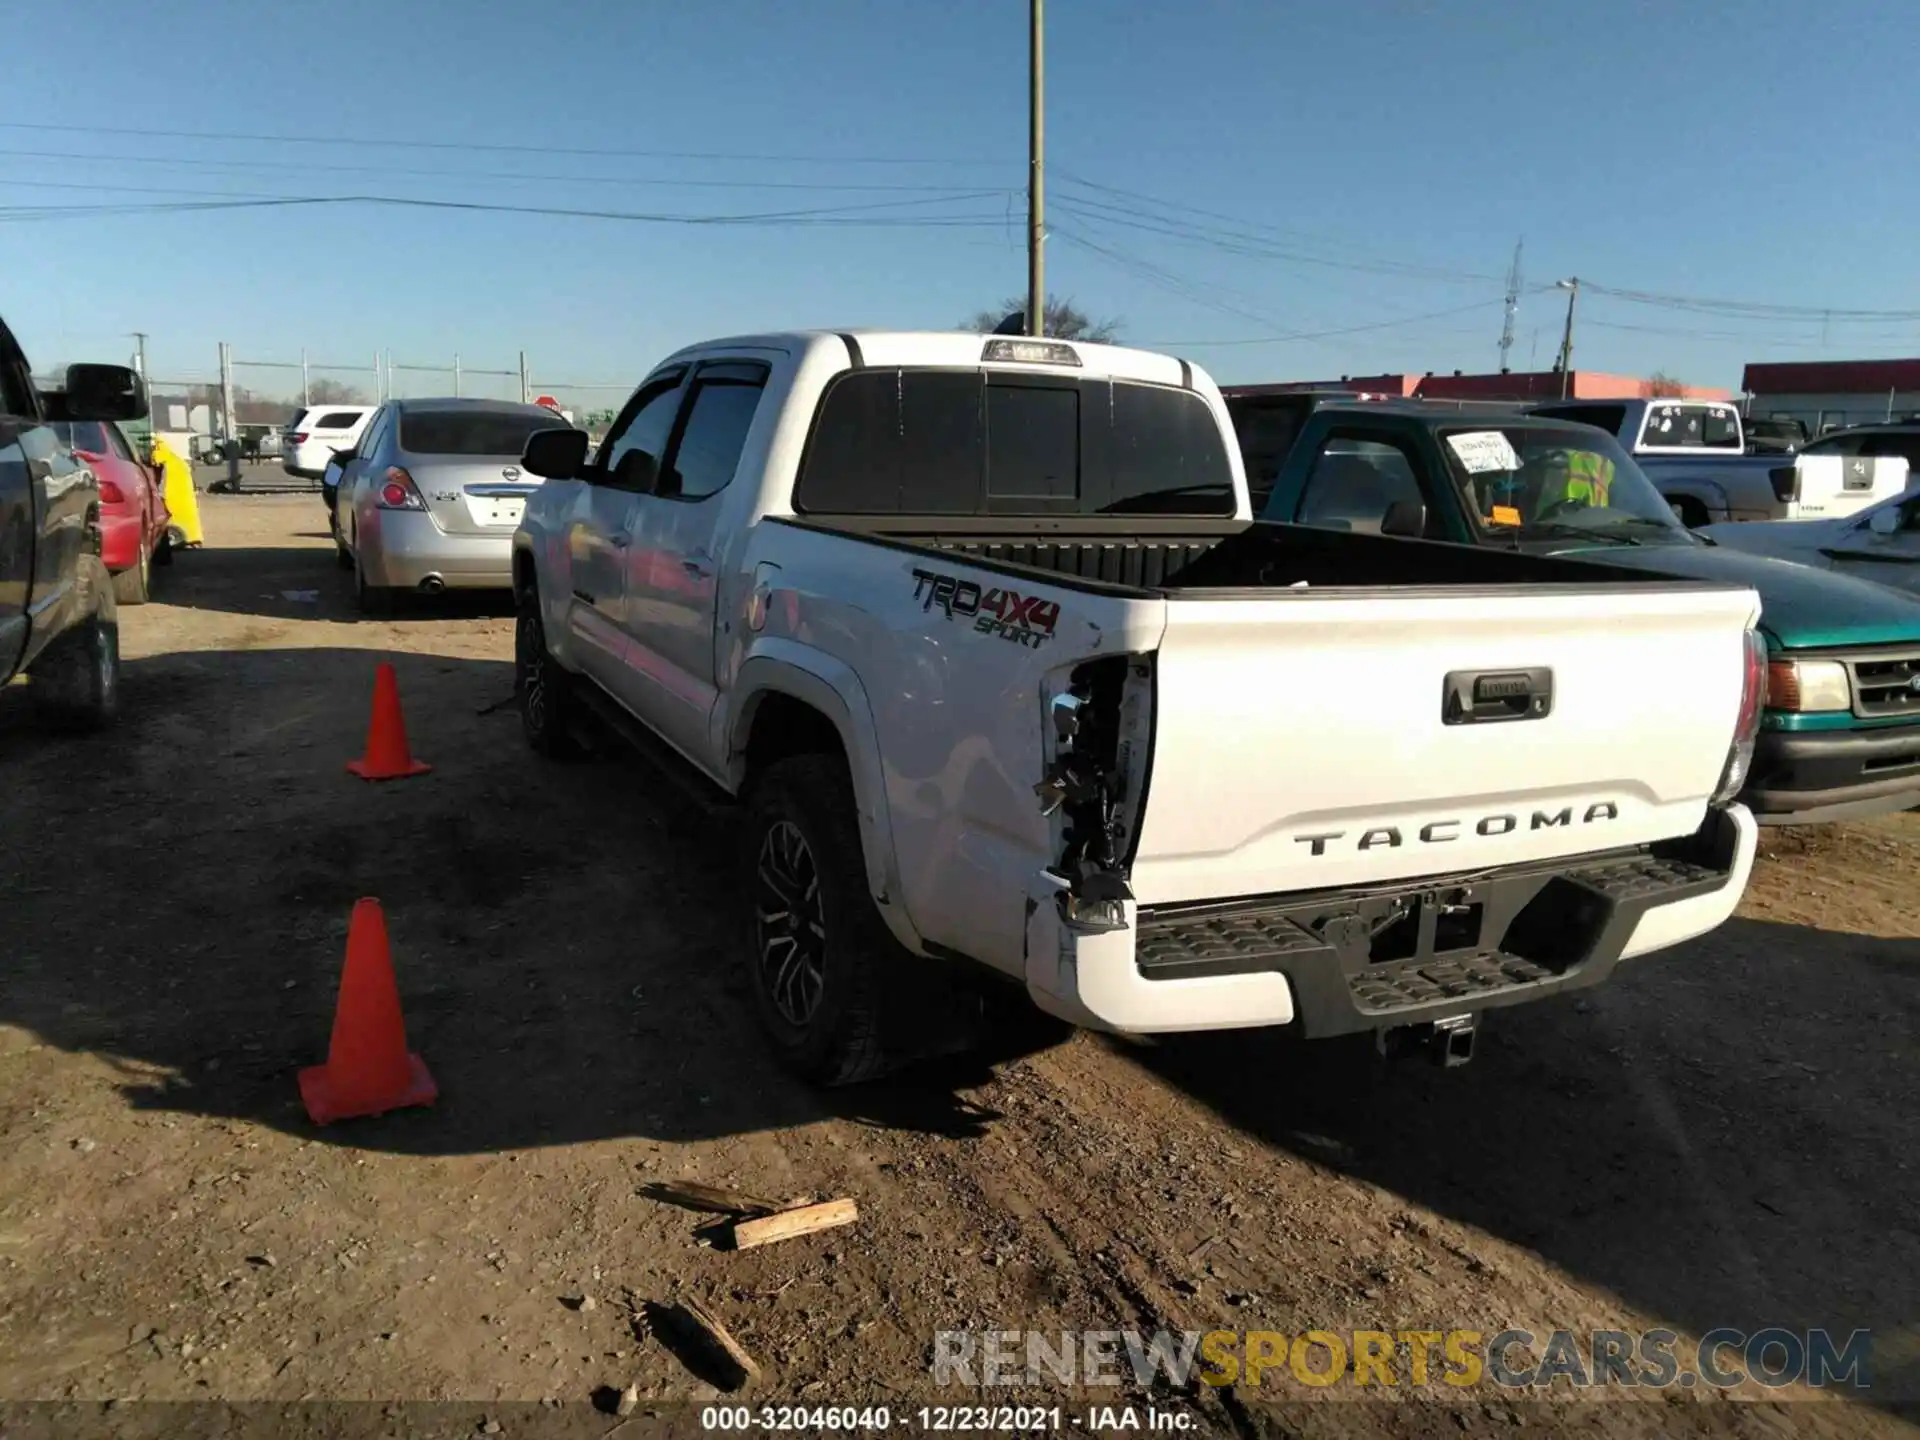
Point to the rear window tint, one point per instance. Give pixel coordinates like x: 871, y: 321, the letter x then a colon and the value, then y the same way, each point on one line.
x: 338, y: 420
x: 472, y: 432
x: 966, y: 442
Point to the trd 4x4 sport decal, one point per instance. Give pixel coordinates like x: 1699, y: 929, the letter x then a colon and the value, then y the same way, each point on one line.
x: 1024, y: 619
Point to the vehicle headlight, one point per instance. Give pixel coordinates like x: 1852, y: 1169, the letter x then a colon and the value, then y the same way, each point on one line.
x: 1805, y: 686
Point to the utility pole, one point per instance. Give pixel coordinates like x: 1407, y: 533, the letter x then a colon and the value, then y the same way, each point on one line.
x: 456, y: 374
x: 523, y: 377
x: 230, y: 431
x: 306, y: 390
x: 1513, y: 305
x: 140, y: 352
x: 1036, y: 170
x: 1572, y: 287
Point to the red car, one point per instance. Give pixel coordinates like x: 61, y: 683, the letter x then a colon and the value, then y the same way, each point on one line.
x: 133, y: 506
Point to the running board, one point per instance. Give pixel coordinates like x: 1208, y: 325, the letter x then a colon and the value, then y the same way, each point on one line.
x: 693, y: 787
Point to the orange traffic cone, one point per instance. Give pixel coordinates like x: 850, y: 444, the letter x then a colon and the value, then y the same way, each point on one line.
x: 369, y: 1069
x: 387, y: 756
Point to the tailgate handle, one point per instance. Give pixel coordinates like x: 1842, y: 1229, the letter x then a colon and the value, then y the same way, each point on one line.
x: 1478, y: 697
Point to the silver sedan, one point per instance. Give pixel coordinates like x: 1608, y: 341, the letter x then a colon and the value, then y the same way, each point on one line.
x: 429, y: 499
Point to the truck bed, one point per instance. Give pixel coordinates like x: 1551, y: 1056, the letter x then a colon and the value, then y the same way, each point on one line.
x: 1162, y: 556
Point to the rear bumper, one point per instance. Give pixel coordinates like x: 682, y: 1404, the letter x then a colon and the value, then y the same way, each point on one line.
x: 120, y: 541
x: 1335, y: 963
x: 405, y: 549
x: 1809, y: 777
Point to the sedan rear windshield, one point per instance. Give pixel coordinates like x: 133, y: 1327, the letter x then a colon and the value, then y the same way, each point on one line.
x: 472, y: 432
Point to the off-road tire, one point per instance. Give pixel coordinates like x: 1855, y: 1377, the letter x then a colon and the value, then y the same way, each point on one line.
x: 542, y: 690
x: 75, y: 683
x: 847, y: 1035
x: 131, y: 586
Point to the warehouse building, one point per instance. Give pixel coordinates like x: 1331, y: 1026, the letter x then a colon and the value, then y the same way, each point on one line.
x: 1832, y: 394
x: 1533, y: 385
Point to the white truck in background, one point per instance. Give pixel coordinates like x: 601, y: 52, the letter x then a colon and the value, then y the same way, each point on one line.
x: 981, y: 632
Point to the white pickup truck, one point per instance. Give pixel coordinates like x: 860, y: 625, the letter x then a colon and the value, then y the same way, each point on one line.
x: 982, y: 633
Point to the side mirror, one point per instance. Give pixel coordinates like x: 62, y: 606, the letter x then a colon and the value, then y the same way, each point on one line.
x: 1405, y: 518
x: 1885, y: 522
x: 105, y: 392
x: 637, y: 471
x: 557, y: 454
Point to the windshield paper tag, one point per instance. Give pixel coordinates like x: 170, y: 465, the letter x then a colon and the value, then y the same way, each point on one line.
x: 1506, y: 515
x: 1483, y: 451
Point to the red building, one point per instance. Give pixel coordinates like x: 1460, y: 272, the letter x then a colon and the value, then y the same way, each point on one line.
x: 1829, y: 394
x: 1533, y: 385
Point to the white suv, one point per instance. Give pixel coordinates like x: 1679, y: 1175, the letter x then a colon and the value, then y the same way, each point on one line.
x: 316, y: 432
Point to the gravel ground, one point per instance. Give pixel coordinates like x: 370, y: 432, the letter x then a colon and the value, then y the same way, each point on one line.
x: 1723, y: 1136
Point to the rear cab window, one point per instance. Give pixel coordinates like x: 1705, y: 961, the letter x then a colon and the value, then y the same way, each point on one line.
x: 1691, y: 426
x: 973, y: 442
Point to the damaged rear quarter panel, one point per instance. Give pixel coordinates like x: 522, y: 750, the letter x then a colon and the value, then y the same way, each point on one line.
x: 958, y: 661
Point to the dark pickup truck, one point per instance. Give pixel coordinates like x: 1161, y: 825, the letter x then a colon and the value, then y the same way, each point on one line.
x: 1840, y: 735
x: 58, y: 624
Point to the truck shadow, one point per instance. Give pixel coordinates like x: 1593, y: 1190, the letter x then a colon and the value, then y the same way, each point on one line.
x: 561, y: 932
x: 1724, y: 1135
x: 300, y: 582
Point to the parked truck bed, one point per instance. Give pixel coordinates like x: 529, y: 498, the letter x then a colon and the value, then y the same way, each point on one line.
x: 1190, y: 556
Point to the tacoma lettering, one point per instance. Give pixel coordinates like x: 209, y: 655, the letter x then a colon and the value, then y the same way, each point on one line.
x: 1440, y: 832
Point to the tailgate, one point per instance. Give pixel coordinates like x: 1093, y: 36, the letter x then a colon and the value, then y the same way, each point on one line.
x: 1299, y: 742
x: 1836, y: 485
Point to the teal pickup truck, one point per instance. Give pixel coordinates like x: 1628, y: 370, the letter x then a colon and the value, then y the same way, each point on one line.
x: 1841, y: 736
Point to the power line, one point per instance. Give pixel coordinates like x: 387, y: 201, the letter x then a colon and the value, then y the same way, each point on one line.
x: 598, y: 180
x: 1148, y: 271
x: 1254, y: 247
x: 1753, y: 309
x: 828, y: 214
x: 391, y: 142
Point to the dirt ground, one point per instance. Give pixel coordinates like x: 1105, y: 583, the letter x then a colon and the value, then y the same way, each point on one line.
x: 1725, y: 1135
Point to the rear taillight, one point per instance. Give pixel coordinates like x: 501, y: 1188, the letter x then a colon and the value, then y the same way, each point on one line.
x: 1753, y: 703
x: 1786, y: 483
x: 112, y: 494
x: 397, y: 491
x: 298, y: 437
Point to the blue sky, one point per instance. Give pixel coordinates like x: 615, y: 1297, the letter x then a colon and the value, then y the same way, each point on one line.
x: 1224, y: 171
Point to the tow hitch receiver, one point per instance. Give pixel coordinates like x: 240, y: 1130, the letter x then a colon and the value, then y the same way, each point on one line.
x: 1446, y: 1043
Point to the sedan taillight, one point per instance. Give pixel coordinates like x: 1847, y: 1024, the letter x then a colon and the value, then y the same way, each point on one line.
x: 298, y: 437
x: 112, y: 494
x: 397, y: 491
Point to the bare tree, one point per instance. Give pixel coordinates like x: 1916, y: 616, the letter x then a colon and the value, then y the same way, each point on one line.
x: 334, y: 392
x: 1660, y: 384
x: 1063, y: 320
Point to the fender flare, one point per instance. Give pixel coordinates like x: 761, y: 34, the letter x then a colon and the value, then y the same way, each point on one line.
x: 817, y: 679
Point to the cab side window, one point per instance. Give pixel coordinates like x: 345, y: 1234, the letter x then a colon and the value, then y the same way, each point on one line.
x: 646, y: 424
x: 1354, y: 481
